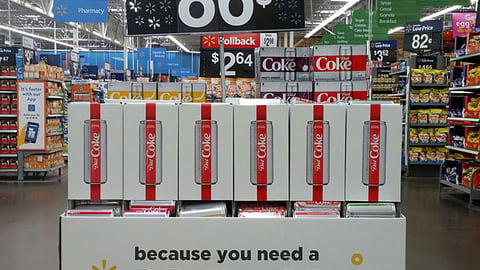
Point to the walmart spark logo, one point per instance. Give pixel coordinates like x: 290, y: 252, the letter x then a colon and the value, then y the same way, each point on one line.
x: 209, y: 41
x: 62, y: 10
x: 104, y: 266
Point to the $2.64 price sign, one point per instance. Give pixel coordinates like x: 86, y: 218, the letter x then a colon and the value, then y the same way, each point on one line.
x: 423, y: 36
x: 238, y: 63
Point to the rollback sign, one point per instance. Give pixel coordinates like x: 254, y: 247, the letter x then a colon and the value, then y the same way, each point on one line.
x: 187, y: 16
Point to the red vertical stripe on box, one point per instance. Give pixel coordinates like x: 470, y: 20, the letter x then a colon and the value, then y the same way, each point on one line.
x: 262, y: 162
x: 206, y: 153
x: 150, y: 151
x: 317, y: 154
x: 374, y: 153
x: 95, y: 152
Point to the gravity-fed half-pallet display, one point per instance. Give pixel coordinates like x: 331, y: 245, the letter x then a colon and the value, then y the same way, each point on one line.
x: 203, y: 186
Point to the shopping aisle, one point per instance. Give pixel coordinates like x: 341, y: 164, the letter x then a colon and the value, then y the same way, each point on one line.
x: 441, y: 234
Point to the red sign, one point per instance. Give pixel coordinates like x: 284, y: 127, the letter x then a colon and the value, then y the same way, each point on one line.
x: 238, y: 41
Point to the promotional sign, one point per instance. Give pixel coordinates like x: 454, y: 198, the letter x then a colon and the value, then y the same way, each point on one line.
x: 385, y: 51
x: 463, y: 23
x: 240, y: 41
x: 31, y: 115
x: 74, y: 64
x: 90, y: 72
x: 423, y: 36
x: 51, y: 59
x: 86, y: 11
x: 9, y: 50
x: 187, y: 16
x: 8, y: 59
x: 426, y: 62
x: 28, y: 51
x: 238, y: 63
x: 393, y: 13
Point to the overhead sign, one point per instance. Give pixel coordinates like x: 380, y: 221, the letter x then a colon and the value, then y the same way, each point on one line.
x: 28, y: 43
x: 394, y: 13
x: 441, y: 3
x: 31, y: 116
x: 385, y: 51
x: 85, y: 11
x: 463, y: 23
x: 8, y: 59
x: 8, y: 50
x: 51, y: 59
x: 187, y: 16
x: 238, y: 63
x: 240, y: 41
x: 423, y: 36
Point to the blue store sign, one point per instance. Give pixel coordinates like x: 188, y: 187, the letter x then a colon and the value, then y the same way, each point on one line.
x: 86, y: 11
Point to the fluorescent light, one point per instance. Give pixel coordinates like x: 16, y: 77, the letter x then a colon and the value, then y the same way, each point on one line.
x: 330, y: 19
x: 440, y: 13
x: 39, y: 37
x: 339, y: 0
x: 429, y: 17
x: 7, y: 42
x: 327, y: 11
x: 179, y: 44
x: 116, y: 41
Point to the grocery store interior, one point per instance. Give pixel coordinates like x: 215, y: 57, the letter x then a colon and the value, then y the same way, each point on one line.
x: 121, y: 118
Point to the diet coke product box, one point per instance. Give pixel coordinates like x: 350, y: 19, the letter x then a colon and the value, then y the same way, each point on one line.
x: 285, y: 90
x: 151, y: 151
x: 339, y: 62
x: 374, y: 144
x: 206, y: 151
x: 96, y: 149
x: 261, y: 152
x: 334, y: 91
x: 317, y: 152
x: 186, y: 91
x: 282, y: 64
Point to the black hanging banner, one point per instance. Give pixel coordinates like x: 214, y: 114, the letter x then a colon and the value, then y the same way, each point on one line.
x: 187, y: 16
x: 385, y: 51
x: 423, y: 36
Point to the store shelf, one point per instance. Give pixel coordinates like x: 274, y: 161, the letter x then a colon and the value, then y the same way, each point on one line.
x: 427, y: 144
x: 54, y: 97
x: 397, y: 95
x: 400, y: 72
x: 45, y: 170
x: 429, y: 85
x: 13, y: 131
x: 8, y: 170
x: 8, y: 155
x: 465, y: 88
x: 42, y: 80
x: 54, y: 134
x: 455, y: 186
x: 428, y: 104
x: 463, y: 121
x: 54, y: 115
x: 463, y: 150
x: 43, y: 152
x: 425, y: 163
x: 428, y: 125
x: 8, y: 91
x: 471, y: 58
x: 8, y: 77
x: 8, y: 115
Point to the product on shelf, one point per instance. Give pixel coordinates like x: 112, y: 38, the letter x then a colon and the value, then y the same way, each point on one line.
x: 8, y: 163
x: 8, y: 71
x: 428, y: 116
x: 427, y: 154
x: 429, y: 76
x: 316, y: 210
x: 285, y: 90
x: 43, y: 161
x: 262, y: 210
x: 327, y: 59
x: 473, y: 74
x: 54, y: 142
x: 42, y: 71
x: 334, y: 91
x: 93, y: 211
x: 157, y: 212
x: 53, y: 89
x: 472, y: 107
x: 282, y: 64
x: 4, y: 108
x: 429, y: 96
x: 5, y: 98
x: 452, y: 171
x: 53, y: 125
x: 209, y: 209
x: 370, y: 210
x: 473, y: 43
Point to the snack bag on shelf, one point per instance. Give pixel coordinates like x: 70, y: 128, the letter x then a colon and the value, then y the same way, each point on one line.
x: 473, y: 136
x: 413, y: 116
x: 441, y: 76
x: 414, y: 96
x: 431, y: 134
x: 434, y: 116
x: 413, y: 154
x: 428, y: 76
x: 423, y: 136
x: 441, y: 154
x: 413, y: 137
x: 473, y: 104
x: 422, y: 157
x: 424, y: 96
x: 422, y: 117
x: 431, y: 155
x: 435, y: 96
x: 443, y: 117
x: 441, y: 135
x: 417, y: 76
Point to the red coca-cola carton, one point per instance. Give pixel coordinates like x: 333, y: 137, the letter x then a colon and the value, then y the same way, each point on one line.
x: 334, y: 91
x: 339, y: 62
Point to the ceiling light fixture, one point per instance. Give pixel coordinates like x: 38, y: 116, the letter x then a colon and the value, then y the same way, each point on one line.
x: 429, y: 17
x: 39, y: 37
x: 330, y: 19
x: 179, y: 44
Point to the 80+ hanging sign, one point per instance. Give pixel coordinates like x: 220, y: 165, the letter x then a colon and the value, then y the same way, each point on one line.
x: 152, y: 17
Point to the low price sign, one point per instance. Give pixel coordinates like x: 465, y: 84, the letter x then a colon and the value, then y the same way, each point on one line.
x: 385, y: 51
x: 423, y: 36
x: 238, y: 63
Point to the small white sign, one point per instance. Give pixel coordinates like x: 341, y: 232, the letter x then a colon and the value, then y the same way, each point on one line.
x: 268, y: 40
x: 31, y: 116
x: 28, y: 42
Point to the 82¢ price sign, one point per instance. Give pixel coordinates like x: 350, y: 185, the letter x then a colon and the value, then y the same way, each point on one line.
x: 423, y: 36
x: 238, y: 63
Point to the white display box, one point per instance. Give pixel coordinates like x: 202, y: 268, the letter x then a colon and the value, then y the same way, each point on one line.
x: 327, y: 150
x: 373, y: 153
x: 273, y: 164
x: 166, y: 116
x: 266, y: 244
x: 112, y: 188
x: 190, y: 185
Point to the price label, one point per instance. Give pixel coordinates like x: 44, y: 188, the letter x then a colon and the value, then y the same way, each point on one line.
x: 7, y: 59
x: 423, y: 36
x: 426, y: 62
x: 384, y: 51
x: 28, y: 56
x: 268, y: 40
x: 238, y: 63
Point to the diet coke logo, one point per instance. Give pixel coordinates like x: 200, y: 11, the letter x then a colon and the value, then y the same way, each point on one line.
x: 206, y: 145
x: 318, y: 146
x: 374, y: 150
x: 262, y: 146
x: 151, y: 145
x: 333, y: 97
x: 95, y: 145
x: 333, y: 63
x: 279, y: 64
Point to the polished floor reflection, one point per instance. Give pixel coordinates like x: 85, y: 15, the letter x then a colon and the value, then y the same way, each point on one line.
x: 442, y: 233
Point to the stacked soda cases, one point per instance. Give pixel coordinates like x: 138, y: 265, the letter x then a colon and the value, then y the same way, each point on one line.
x: 178, y: 91
x: 283, y: 73
x: 339, y: 73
